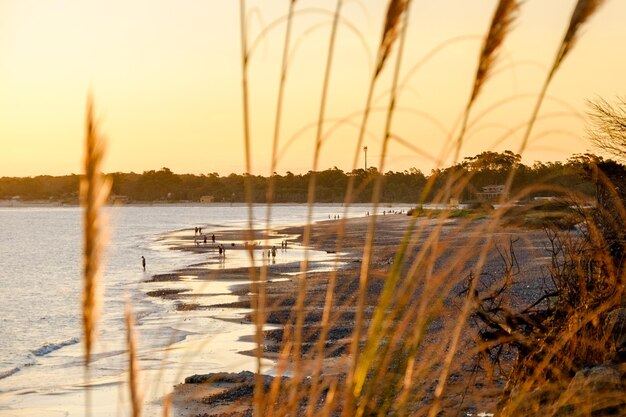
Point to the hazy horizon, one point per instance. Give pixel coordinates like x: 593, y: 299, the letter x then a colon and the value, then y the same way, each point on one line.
x: 279, y: 172
x: 167, y: 89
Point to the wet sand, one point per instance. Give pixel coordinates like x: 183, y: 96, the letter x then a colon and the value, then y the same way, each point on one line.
x: 223, y: 395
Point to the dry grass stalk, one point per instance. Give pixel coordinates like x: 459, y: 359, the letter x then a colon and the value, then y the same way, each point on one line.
x: 582, y: 13
x: 299, y: 307
x: 279, y: 105
x: 503, y: 19
x: 359, y: 365
x: 501, y: 24
x: 260, y: 290
x: 281, y: 94
x: 391, y: 30
x: 167, y: 405
x: 245, y: 59
x: 136, y: 395
x: 94, y: 191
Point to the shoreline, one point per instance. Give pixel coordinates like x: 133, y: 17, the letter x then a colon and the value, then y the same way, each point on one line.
x: 179, y: 357
x: 213, y: 291
x: 215, y: 393
x: 19, y: 397
x: 189, y: 290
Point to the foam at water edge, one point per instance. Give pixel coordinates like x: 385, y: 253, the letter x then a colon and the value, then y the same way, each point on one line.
x: 51, y: 347
x: 7, y: 373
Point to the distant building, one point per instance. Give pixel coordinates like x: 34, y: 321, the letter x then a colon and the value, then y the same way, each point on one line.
x: 207, y: 199
x: 491, y: 192
x: 118, y: 199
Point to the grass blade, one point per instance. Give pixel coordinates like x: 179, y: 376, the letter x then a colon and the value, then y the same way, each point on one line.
x: 136, y: 396
x: 501, y: 24
x: 94, y: 191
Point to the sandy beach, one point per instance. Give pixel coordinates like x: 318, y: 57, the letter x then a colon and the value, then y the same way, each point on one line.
x: 219, y: 394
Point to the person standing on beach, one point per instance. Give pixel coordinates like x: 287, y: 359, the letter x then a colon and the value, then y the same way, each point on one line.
x: 213, y: 237
x: 143, y: 263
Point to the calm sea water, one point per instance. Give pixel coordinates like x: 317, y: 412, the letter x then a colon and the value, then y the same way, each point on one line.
x: 40, y: 283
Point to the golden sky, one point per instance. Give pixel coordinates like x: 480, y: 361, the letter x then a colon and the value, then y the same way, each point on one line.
x: 166, y: 77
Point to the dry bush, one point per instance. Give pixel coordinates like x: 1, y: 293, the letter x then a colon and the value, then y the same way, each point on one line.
x: 566, y: 330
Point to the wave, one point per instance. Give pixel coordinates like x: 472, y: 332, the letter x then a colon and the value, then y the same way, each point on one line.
x: 8, y: 372
x: 51, y: 347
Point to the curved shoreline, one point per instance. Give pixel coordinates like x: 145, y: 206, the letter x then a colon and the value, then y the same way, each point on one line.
x: 212, y: 394
x: 210, y: 291
x: 221, y: 287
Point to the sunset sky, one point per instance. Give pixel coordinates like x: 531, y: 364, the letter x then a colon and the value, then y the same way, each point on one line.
x: 166, y: 78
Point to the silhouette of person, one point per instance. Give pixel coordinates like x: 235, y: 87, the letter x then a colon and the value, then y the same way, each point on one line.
x: 205, y: 239
x: 213, y: 238
x: 143, y: 263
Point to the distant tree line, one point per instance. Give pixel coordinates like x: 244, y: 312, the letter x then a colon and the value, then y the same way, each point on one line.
x: 486, y: 168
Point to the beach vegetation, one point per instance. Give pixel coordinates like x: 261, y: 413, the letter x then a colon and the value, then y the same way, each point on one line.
x: 445, y: 315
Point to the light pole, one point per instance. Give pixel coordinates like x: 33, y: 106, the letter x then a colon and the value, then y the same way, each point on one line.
x: 365, y: 151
